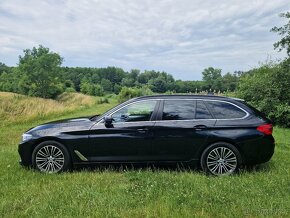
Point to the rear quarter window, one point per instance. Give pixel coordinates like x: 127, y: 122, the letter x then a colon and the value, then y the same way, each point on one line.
x: 224, y: 110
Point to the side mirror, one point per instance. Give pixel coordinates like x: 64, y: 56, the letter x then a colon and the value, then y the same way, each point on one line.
x: 108, y: 121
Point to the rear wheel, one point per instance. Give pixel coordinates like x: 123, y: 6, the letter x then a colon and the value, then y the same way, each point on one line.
x: 220, y: 159
x: 51, y: 157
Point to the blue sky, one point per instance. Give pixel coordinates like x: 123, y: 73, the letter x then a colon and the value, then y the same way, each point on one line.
x: 180, y: 37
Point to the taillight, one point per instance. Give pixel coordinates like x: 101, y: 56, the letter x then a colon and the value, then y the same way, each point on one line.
x: 267, y: 129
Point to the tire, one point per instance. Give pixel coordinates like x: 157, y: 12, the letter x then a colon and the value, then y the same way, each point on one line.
x: 51, y: 157
x: 220, y: 159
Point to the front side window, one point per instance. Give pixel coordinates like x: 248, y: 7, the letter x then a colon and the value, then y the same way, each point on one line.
x: 139, y: 111
x: 224, y: 110
x: 178, y: 110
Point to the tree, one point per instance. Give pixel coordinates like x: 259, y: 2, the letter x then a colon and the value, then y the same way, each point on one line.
x: 129, y: 82
x: 107, y: 85
x: 134, y: 74
x: 41, y: 69
x: 229, y: 82
x: 212, y: 78
x: 284, y: 32
x: 117, y: 88
x: 158, y: 85
x: 3, y: 68
x: 8, y: 82
x: 144, y: 77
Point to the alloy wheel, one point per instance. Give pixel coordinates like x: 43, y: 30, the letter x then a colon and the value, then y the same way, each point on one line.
x: 50, y: 159
x: 221, y: 161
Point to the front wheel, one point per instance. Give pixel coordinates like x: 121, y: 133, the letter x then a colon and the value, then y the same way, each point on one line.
x: 51, y: 157
x: 220, y: 159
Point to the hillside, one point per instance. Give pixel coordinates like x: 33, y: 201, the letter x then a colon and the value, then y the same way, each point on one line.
x: 21, y: 108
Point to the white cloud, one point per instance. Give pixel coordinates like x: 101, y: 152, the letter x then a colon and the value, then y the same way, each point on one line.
x: 181, y: 37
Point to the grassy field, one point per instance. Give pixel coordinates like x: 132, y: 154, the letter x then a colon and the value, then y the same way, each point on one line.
x: 263, y: 191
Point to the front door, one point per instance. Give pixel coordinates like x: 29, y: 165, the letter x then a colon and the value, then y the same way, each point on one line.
x: 128, y: 139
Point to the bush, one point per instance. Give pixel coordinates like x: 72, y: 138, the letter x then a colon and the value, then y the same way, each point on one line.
x: 92, y: 89
x: 102, y: 100
x: 70, y: 89
x: 117, y: 89
x: 267, y: 88
x: 127, y: 93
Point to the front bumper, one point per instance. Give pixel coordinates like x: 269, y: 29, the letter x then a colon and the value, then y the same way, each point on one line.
x: 25, y: 150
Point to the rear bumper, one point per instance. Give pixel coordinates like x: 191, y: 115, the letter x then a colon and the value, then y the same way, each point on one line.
x: 258, y: 151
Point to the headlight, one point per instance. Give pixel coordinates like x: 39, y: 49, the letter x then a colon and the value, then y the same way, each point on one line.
x: 26, y: 137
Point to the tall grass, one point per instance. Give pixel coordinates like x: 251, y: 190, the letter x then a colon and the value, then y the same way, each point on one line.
x: 16, y: 108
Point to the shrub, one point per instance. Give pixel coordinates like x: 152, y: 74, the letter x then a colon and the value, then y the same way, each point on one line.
x: 102, y: 100
x: 127, y: 93
x: 92, y: 89
x: 267, y: 88
x: 70, y: 89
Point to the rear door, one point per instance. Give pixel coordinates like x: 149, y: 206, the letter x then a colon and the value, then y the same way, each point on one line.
x: 181, y: 129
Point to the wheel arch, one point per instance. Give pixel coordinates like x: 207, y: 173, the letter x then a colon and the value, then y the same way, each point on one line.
x: 50, y: 138
x: 221, y: 140
x: 50, y: 141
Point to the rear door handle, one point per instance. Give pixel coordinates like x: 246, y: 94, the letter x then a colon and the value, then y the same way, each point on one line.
x: 200, y: 127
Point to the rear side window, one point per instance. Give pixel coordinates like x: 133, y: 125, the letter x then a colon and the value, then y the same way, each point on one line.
x: 201, y: 111
x: 178, y: 110
x: 223, y: 110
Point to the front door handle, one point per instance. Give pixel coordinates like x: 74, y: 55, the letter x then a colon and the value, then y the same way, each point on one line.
x: 142, y: 130
x: 200, y: 127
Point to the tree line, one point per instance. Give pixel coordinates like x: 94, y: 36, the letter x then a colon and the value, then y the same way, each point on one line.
x: 39, y: 73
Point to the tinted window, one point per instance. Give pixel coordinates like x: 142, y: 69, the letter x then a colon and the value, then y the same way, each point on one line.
x: 223, y: 110
x: 178, y: 110
x: 202, y: 112
x: 139, y: 111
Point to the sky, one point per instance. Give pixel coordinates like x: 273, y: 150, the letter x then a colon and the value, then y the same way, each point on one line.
x: 180, y: 37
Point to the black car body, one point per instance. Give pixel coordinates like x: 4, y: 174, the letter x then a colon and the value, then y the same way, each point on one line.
x: 163, y: 128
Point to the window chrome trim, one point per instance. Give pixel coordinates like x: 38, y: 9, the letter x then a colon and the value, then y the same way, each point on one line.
x: 164, y: 99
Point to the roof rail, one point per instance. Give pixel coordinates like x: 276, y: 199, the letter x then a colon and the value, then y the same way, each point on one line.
x: 237, y: 99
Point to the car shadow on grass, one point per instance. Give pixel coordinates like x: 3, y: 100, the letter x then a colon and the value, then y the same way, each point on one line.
x: 169, y: 167
x: 177, y: 167
x: 264, y: 167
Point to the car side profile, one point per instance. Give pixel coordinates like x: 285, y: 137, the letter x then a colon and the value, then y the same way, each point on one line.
x: 219, y: 134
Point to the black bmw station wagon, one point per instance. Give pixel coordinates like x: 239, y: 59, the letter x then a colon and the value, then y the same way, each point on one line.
x: 219, y: 134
